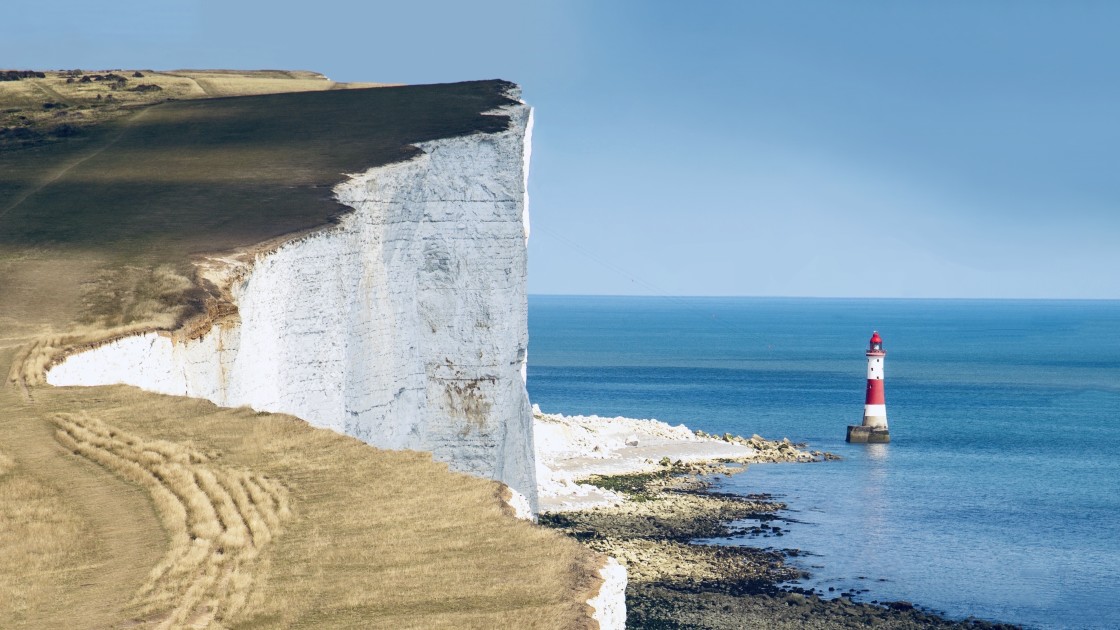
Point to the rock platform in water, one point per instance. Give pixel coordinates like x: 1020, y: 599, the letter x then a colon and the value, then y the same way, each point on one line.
x: 664, y: 509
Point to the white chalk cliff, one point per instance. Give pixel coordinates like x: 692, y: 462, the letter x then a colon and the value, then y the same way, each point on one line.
x: 609, y: 603
x: 404, y: 325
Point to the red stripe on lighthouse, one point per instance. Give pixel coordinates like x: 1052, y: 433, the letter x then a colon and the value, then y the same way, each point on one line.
x: 875, y: 394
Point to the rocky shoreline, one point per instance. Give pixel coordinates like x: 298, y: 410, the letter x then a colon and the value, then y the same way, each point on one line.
x: 569, y: 449
x: 675, y: 582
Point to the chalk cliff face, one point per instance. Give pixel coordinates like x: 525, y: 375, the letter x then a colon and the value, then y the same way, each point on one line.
x: 610, y: 602
x: 404, y: 325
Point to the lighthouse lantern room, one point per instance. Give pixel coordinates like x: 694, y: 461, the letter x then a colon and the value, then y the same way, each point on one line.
x: 874, y: 427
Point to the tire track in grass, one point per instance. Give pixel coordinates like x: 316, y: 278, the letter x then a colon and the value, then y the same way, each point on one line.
x: 125, y: 527
x: 52, y: 93
x: 219, y: 517
x: 53, y: 176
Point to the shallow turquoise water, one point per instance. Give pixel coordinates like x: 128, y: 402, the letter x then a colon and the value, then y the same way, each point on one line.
x: 999, y: 495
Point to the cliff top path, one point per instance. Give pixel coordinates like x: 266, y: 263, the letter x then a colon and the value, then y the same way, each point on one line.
x: 124, y: 508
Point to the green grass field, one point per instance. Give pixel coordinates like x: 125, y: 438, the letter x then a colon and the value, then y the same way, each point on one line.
x: 121, y: 508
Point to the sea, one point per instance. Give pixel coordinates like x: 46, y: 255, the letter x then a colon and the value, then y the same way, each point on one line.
x: 998, y: 496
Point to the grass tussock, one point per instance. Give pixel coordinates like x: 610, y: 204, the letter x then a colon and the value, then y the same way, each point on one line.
x: 219, y: 519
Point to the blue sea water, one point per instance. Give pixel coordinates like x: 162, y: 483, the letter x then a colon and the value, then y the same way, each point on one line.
x: 999, y: 494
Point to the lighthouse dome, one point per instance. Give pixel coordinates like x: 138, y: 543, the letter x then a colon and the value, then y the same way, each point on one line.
x: 875, y: 337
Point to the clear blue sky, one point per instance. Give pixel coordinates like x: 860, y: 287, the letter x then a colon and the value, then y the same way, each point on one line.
x: 941, y: 149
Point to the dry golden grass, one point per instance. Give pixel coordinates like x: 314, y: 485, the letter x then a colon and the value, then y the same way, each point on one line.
x: 374, y: 538
x: 22, y: 103
x: 367, y: 538
x: 114, y: 303
x: 219, y: 519
x: 20, y: 94
x: 68, y: 558
x: 228, y: 83
x: 40, y: 534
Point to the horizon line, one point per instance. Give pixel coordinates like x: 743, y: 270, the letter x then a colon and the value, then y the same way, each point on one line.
x: 832, y: 297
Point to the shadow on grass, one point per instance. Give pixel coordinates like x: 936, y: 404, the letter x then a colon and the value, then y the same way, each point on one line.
x: 190, y: 176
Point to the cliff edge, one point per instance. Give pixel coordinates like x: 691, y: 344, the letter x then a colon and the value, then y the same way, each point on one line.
x: 404, y: 325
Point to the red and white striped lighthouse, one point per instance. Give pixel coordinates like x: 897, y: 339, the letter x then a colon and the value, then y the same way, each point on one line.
x: 874, y: 427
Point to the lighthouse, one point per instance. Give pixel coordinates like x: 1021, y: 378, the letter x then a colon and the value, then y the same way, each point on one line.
x: 874, y: 427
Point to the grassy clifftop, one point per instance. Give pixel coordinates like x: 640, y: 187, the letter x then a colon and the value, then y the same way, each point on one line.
x: 127, y: 202
x: 38, y: 107
x: 119, y: 507
x: 177, y: 177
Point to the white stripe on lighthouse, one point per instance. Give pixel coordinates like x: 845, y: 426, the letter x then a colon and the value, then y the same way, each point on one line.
x: 874, y: 368
x: 875, y: 410
x: 875, y: 415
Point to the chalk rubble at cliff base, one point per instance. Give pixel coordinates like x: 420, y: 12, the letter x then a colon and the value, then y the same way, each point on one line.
x: 573, y: 448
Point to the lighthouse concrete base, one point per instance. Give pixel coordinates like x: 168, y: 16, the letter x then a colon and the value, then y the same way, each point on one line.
x: 858, y: 434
